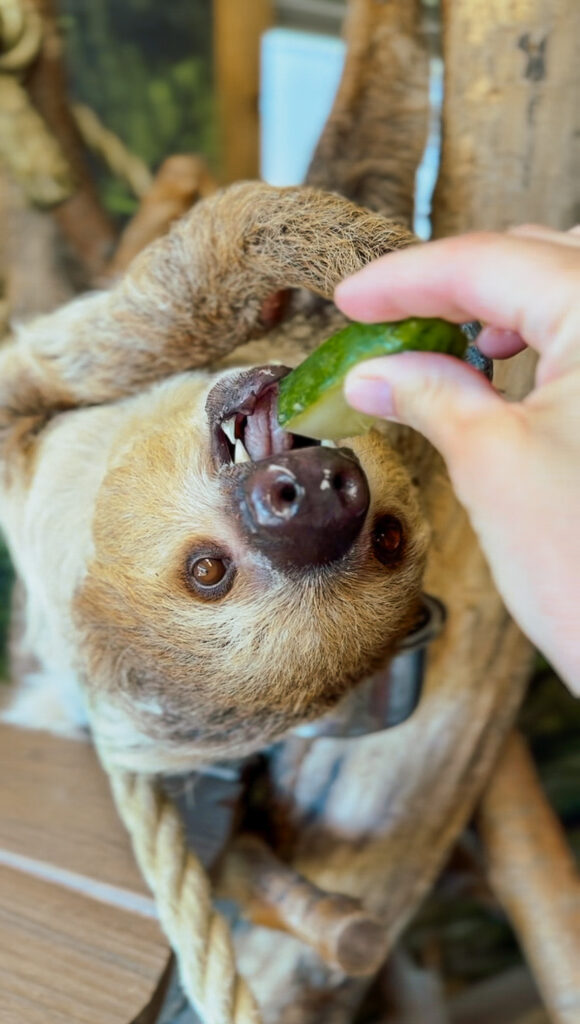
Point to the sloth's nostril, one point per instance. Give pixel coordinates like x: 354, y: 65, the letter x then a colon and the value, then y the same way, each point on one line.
x: 287, y: 493
x: 306, y: 507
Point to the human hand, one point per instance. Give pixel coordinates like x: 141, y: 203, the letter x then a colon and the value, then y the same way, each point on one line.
x: 515, y: 466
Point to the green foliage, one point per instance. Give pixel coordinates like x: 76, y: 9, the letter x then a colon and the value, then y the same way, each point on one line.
x: 145, y: 68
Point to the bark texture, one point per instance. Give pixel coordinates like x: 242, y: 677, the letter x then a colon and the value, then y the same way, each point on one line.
x: 237, y: 33
x: 81, y: 218
x: 511, y: 140
x: 534, y: 874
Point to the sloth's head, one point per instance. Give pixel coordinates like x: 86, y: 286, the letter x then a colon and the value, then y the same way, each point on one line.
x: 243, y: 577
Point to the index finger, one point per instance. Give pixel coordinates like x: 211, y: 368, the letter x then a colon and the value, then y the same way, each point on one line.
x: 520, y: 284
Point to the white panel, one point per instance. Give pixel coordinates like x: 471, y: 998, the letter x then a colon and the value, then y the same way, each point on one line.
x: 299, y: 79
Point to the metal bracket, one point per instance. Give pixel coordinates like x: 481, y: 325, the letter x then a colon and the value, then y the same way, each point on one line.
x: 390, y: 696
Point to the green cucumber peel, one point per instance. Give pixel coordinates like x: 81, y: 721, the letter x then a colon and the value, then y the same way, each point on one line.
x: 311, y: 400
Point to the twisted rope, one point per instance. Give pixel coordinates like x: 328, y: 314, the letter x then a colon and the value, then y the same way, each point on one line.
x: 198, y: 934
x: 20, y: 35
x: 26, y: 144
x: 11, y: 23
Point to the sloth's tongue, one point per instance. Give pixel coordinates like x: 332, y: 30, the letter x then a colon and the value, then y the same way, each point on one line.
x: 262, y: 434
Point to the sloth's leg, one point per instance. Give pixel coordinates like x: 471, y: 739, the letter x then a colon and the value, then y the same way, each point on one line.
x: 375, y: 135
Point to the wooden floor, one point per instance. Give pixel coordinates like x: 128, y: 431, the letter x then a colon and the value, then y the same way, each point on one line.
x: 79, y: 940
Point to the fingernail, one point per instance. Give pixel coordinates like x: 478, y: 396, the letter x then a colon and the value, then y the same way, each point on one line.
x: 367, y: 394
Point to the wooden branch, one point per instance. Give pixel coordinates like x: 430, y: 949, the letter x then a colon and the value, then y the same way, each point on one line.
x: 119, y: 159
x: 511, y: 126
x: 511, y: 117
x: 81, y: 218
x: 271, y: 894
x: 534, y: 875
x: 238, y: 29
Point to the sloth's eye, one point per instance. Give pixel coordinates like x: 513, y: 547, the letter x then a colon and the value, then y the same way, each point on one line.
x: 388, y: 540
x: 208, y: 571
x: 209, y: 576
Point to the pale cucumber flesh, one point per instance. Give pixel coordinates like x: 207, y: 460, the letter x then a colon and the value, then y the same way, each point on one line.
x: 331, y: 418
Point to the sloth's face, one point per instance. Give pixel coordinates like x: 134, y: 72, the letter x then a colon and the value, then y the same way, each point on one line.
x: 243, y: 578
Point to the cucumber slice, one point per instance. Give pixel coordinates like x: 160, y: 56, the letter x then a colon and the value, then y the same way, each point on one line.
x: 311, y: 400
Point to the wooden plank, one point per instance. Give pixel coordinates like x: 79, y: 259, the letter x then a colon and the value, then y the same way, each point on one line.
x: 65, y: 958
x: 79, y: 938
x: 55, y: 807
x: 238, y: 28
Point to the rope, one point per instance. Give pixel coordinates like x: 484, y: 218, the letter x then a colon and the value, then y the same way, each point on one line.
x: 198, y: 934
x: 20, y: 35
x: 11, y: 23
x: 27, y: 147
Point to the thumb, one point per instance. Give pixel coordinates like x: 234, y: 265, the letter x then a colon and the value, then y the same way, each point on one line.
x: 438, y: 395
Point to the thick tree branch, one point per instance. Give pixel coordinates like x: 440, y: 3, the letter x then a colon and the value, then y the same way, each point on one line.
x: 534, y: 875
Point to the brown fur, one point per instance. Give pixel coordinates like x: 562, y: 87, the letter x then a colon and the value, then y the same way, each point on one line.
x: 374, y: 137
x: 109, y: 484
x: 179, y: 183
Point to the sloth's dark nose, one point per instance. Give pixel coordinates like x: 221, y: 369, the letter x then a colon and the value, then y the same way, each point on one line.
x: 304, y: 508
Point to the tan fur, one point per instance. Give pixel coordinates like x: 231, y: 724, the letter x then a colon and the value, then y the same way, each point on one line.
x: 109, y: 484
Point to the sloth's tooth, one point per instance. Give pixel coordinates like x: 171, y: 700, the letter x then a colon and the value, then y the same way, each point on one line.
x: 328, y: 444
x: 240, y: 453
x: 229, y: 429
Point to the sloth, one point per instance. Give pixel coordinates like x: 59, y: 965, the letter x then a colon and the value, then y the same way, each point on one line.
x: 194, y: 580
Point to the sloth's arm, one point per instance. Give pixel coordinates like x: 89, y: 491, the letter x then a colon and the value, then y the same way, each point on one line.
x: 373, y: 140
x: 187, y: 300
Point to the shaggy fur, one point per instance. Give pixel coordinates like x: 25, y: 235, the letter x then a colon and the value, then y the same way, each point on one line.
x: 109, y: 485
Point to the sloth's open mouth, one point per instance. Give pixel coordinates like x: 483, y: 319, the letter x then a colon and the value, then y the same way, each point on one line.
x: 242, y: 412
